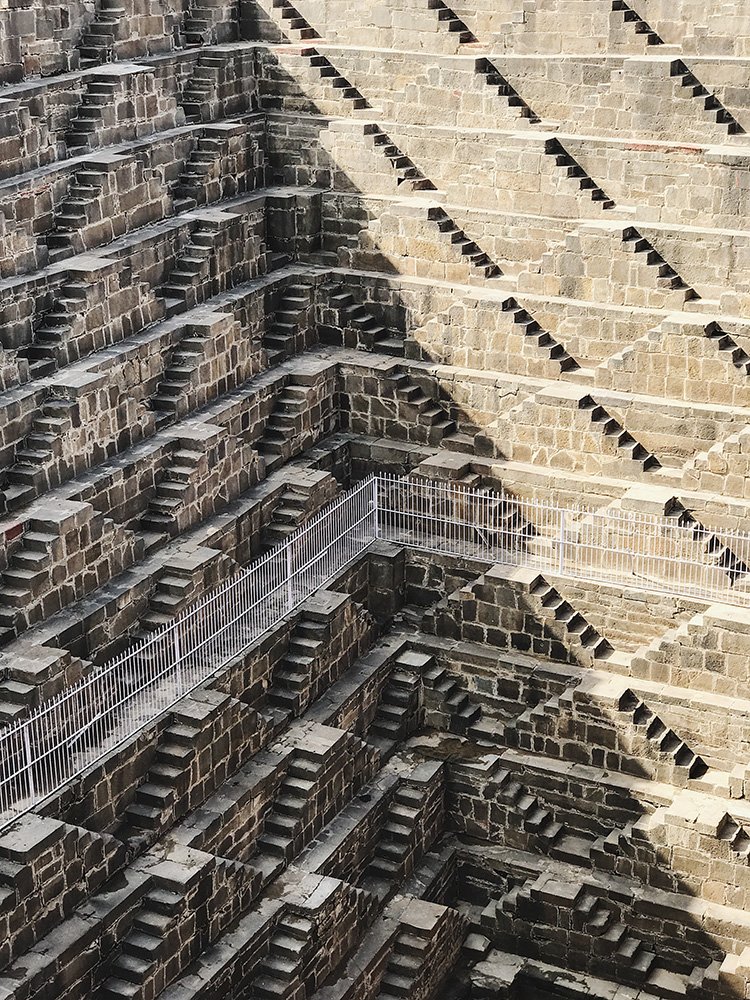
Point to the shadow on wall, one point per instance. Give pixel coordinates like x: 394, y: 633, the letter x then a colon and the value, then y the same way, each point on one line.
x: 649, y: 855
x: 592, y: 774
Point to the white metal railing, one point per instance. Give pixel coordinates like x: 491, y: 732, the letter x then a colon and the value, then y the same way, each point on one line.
x: 69, y: 733
x: 669, y: 555
x: 660, y: 554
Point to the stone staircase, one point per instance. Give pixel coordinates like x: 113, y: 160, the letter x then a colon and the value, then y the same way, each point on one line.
x: 22, y: 691
x: 579, y: 638
x: 417, y: 408
x: 291, y: 945
x: 188, y: 281
x: 653, y: 264
x: 17, y: 698
x: 494, y: 79
x: 570, y: 168
x: 595, y: 918
x: 728, y: 347
x: 540, y: 339
x: 397, y: 839
x: 689, y: 84
x: 453, y: 700
x: 98, y: 40
x: 406, y: 172
x: 598, y: 918
x: 682, y: 764
x: 201, y: 88
x: 334, y: 80
x: 173, y: 590
x: 171, y: 492
x: 712, y: 547
x: 35, y: 468
x: 167, y: 779
x: 623, y: 443
x: 46, y: 352
x: 274, y: 443
x: 26, y: 566
x: 449, y: 20
x: 290, y: 321
x: 537, y: 722
x: 288, y: 514
x: 96, y: 105
x: 192, y: 188
x: 465, y: 249
x: 639, y: 26
x: 397, y: 710
x: 663, y: 645
x: 80, y: 209
x: 70, y: 862
x: 283, y: 823
x: 170, y: 399
x: 500, y: 522
x: 198, y: 22
x: 373, y: 335
x: 421, y: 953
x: 293, y: 674
x: 736, y: 835
x: 290, y: 22
x: 606, y: 850
x: 143, y: 947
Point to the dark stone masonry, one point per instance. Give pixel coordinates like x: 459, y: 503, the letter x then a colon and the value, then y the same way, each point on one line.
x: 251, y: 252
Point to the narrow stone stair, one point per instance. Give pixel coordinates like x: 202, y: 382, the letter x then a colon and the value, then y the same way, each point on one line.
x: 328, y: 72
x: 289, y: 323
x: 466, y: 249
x: 494, y: 79
x: 640, y: 27
x: 450, y: 21
x: 687, y: 764
x: 625, y: 444
x: 572, y: 169
x: 98, y: 40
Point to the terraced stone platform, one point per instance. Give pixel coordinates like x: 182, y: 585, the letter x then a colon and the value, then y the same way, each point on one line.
x: 251, y: 252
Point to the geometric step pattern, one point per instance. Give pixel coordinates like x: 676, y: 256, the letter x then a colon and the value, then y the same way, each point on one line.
x: 98, y: 40
x: 186, y: 285
x: 449, y: 20
x: 334, y: 80
x: 453, y: 701
x: 397, y: 712
x: 45, y: 353
x: 663, y: 740
x: 495, y: 79
x: 285, y: 334
x: 82, y: 207
x: 467, y: 249
x: 571, y: 168
x: 414, y: 407
x: 640, y: 27
x: 710, y: 103
x: 372, y: 335
x: 542, y: 341
x: 569, y: 625
x: 407, y: 174
x: 291, y: 22
x: 293, y: 675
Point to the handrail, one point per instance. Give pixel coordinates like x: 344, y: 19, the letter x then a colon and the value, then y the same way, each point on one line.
x: 115, y: 702
x: 657, y: 554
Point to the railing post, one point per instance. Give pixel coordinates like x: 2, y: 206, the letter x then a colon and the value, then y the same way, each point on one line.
x: 289, y: 577
x: 29, y: 763
x: 177, y: 653
x: 376, y: 506
x: 561, y: 545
